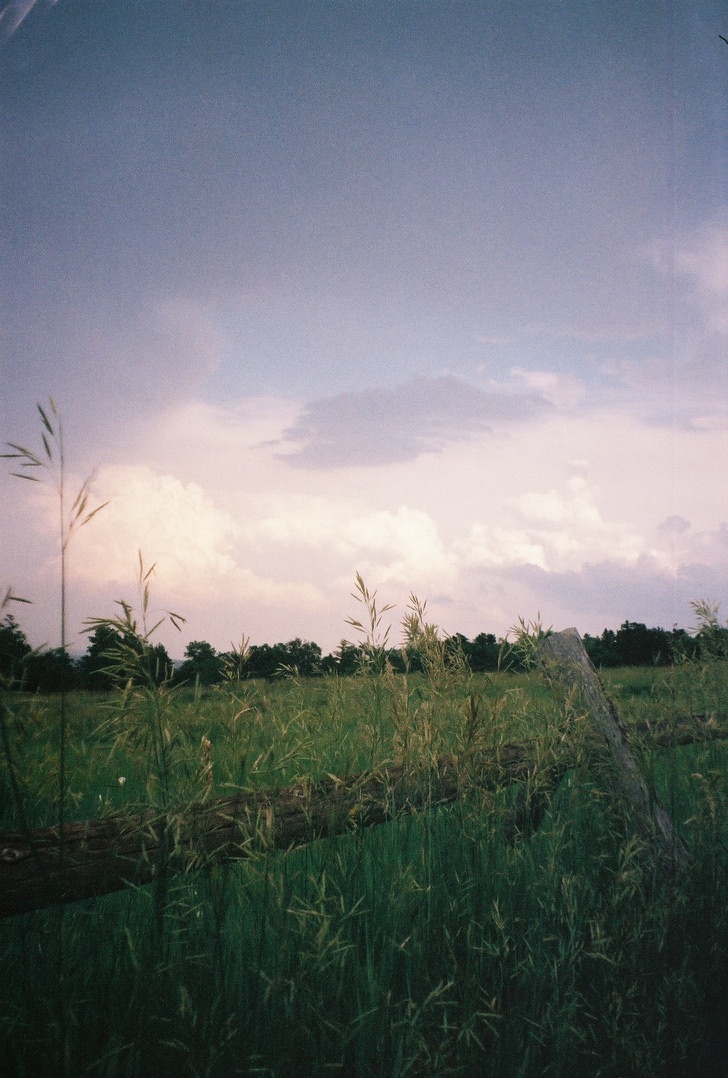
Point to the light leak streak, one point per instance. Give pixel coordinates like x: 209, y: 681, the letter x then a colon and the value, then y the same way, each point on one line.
x: 13, y: 14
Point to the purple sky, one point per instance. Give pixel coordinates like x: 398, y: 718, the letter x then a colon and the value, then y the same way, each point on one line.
x: 434, y: 292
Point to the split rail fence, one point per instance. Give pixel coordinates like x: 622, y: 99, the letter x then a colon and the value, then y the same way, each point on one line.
x: 45, y: 867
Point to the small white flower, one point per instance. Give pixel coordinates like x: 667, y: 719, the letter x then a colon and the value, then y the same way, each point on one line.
x: 122, y: 779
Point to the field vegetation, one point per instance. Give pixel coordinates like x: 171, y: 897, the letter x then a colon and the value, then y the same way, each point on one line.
x: 461, y: 939
x: 436, y: 944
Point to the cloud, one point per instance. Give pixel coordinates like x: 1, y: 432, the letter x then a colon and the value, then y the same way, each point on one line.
x: 170, y: 344
x: 605, y: 594
x: 683, y: 381
x: 175, y: 525
x: 108, y: 368
x: 678, y: 545
x: 178, y: 527
x: 555, y: 531
x: 703, y: 258
x: 558, y: 389
x: 487, y: 530
x: 383, y: 426
x: 402, y: 545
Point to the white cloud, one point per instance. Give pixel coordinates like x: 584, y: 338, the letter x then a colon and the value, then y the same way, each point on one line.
x: 678, y: 544
x: 704, y: 259
x: 402, y: 544
x: 405, y: 547
x: 181, y: 530
x: 490, y: 528
x: 556, y: 532
x: 558, y: 389
x: 174, y: 524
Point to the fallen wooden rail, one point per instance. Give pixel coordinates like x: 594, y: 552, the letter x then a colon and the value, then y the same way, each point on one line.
x: 98, y: 857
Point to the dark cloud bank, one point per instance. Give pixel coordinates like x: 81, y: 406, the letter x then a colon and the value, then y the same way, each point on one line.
x: 392, y: 426
x: 604, y: 595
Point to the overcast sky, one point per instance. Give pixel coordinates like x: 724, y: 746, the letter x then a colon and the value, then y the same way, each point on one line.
x: 432, y: 291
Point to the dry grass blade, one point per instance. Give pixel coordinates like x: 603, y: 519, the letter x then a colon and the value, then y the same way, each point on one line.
x: 10, y: 598
x: 22, y: 453
x: 46, y: 421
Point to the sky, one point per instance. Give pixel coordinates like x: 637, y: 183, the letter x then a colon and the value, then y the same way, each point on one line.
x: 434, y: 292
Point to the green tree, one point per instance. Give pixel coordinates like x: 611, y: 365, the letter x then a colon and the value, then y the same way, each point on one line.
x: 602, y: 650
x: 345, y: 660
x: 270, y: 660
x: 109, y: 652
x: 51, y: 671
x: 483, y: 653
x: 202, y: 663
x: 303, y: 656
x: 636, y: 645
x: 711, y: 637
x: 14, y: 651
x: 94, y: 665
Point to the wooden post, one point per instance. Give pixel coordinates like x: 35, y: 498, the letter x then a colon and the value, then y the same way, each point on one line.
x: 41, y: 868
x: 564, y: 659
x: 97, y: 857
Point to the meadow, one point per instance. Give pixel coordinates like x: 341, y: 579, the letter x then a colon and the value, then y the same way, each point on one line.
x: 436, y: 944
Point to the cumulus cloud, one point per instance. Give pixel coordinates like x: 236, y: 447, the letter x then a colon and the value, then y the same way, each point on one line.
x: 118, y: 366
x: 554, y: 531
x: 487, y: 530
x: 604, y: 594
x: 402, y: 545
x: 174, y: 524
x: 383, y: 426
x: 678, y: 544
x: 180, y: 529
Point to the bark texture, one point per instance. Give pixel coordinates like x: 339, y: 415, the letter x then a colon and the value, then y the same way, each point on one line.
x: 565, y: 660
x: 101, y: 856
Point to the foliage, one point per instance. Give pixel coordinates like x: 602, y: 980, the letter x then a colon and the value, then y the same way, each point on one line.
x: 94, y: 665
x: 427, y: 946
x: 299, y: 657
x: 636, y: 645
x: 55, y: 669
x: 711, y: 636
x: 442, y: 943
x: 51, y: 671
x: 373, y: 633
x: 124, y: 643
x: 202, y: 665
x: 52, y: 461
x: 14, y: 651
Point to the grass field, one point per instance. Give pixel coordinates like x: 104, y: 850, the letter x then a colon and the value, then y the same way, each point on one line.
x: 427, y: 946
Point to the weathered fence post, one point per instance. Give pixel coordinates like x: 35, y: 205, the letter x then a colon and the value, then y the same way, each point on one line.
x: 564, y: 659
x: 40, y: 868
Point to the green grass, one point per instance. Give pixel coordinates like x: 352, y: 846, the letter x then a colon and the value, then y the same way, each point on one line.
x: 262, y: 735
x: 428, y: 946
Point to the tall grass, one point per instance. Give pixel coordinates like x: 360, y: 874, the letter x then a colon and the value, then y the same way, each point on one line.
x: 50, y: 463
x: 438, y: 944
x: 426, y: 947
x: 430, y: 946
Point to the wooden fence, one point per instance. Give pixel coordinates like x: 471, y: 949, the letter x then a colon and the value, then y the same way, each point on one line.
x: 41, y: 868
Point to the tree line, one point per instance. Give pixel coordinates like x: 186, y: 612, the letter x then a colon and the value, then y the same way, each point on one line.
x: 53, y: 670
